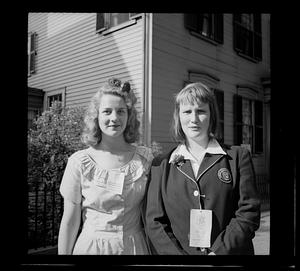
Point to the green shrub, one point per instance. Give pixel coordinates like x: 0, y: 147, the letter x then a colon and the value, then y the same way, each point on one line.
x: 55, y: 135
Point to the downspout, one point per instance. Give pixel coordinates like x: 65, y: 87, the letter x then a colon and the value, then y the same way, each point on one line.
x: 147, y: 78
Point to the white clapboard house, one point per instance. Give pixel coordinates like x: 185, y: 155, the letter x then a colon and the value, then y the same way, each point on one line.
x: 71, y: 54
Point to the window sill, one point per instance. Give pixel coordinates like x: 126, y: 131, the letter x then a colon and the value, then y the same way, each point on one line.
x: 257, y: 155
x: 117, y: 27
x: 241, y: 54
x: 198, y: 35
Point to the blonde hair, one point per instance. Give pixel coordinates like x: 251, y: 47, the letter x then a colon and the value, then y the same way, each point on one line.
x: 92, y: 133
x: 195, y: 93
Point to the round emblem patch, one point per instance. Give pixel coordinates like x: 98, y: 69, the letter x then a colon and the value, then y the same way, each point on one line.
x: 224, y: 175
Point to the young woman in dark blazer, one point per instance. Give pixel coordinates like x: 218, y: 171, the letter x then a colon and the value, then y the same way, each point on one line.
x: 202, y: 197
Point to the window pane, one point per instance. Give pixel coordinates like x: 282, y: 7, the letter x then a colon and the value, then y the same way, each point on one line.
x: 247, y: 134
x: 209, y: 25
x: 247, y: 21
x: 51, y: 99
x: 206, y: 29
x: 118, y: 18
x: 100, y: 24
x: 247, y: 122
x: 246, y: 41
x: 247, y: 112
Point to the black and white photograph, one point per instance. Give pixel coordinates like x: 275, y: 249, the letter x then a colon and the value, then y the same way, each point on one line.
x: 151, y: 134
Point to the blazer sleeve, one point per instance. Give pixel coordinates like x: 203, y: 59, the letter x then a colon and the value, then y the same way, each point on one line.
x: 158, y: 228
x: 238, y: 235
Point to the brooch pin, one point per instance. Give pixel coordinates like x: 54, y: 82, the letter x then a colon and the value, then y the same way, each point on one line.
x: 178, y: 159
x: 224, y: 175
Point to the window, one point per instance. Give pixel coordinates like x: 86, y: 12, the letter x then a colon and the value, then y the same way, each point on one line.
x: 54, y: 95
x: 206, y: 25
x: 53, y: 98
x: 247, y: 35
x: 249, y: 123
x: 114, y: 21
x: 32, y: 53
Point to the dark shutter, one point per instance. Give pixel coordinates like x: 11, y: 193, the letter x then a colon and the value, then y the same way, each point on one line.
x: 100, y: 21
x: 258, y: 105
x: 220, y: 102
x: 219, y: 27
x: 191, y: 21
x: 32, y: 42
x: 219, y: 94
x: 238, y: 119
x: 237, y: 32
x: 32, y: 57
x: 257, y: 22
x: 32, y: 63
x: 257, y: 37
x: 258, y: 111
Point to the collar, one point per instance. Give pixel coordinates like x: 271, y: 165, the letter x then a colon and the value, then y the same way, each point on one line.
x: 213, y: 147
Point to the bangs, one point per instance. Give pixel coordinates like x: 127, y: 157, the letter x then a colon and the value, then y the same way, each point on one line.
x: 192, y: 95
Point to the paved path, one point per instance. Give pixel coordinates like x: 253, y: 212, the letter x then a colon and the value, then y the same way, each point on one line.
x: 261, y: 240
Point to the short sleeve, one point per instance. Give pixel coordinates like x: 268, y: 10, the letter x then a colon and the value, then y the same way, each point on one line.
x: 70, y: 187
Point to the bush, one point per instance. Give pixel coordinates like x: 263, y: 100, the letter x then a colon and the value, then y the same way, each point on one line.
x: 55, y: 135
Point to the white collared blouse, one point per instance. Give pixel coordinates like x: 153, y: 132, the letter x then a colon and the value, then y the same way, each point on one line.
x: 213, y: 147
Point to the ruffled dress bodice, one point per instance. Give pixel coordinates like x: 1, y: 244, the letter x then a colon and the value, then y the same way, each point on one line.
x: 111, y: 217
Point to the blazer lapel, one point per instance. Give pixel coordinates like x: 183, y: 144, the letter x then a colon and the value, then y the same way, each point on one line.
x: 208, y: 160
x: 187, y: 169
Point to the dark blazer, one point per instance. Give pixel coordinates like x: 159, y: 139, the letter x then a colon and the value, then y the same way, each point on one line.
x: 234, y: 203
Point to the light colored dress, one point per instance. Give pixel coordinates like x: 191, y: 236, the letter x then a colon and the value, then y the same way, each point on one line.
x: 111, y: 220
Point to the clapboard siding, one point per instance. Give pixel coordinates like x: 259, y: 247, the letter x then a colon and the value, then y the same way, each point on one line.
x: 72, y: 55
x: 88, y: 74
x: 103, y: 48
x: 176, y: 51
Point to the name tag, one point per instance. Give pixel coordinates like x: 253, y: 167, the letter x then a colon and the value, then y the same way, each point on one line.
x: 115, y: 182
x: 112, y: 181
x: 200, y: 228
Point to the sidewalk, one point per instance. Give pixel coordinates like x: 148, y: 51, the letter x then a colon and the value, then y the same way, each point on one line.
x: 261, y: 240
